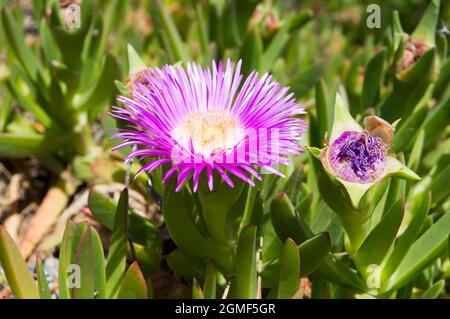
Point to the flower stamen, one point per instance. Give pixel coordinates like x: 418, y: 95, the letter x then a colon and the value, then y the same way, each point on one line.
x: 211, y: 131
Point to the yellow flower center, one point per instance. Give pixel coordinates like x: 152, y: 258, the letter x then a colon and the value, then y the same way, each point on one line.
x: 210, y: 131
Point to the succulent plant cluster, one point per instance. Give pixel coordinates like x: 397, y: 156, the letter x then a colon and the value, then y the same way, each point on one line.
x: 349, y: 200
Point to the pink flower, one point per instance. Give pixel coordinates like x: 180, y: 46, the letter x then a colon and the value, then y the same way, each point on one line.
x: 207, y: 120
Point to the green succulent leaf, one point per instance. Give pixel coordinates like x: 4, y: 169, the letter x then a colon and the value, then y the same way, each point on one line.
x: 186, y: 267
x: 142, y: 230
x: 416, y: 151
x: 380, y: 239
x: 24, y: 96
x: 20, y: 145
x: 305, y: 80
x: 16, y: 42
x: 197, y: 292
x: 423, y: 252
x: 286, y: 222
x: 439, y: 185
x: 324, y: 109
x: 16, y: 271
x: 373, y: 80
x: 251, y: 52
x: 133, y: 285
x: 100, y: 93
x: 434, y: 291
x: 409, y: 87
x: 407, y: 238
x: 343, y: 121
x: 246, y: 272
x: 135, y: 62
x: 216, y: 206
x: 209, y: 286
x: 182, y: 228
x: 69, y: 244
x: 313, y: 252
x: 289, y: 277
x: 165, y: 25
x: 91, y: 261
x: 117, y: 255
x: 44, y: 290
x: 426, y: 28
x: 408, y: 130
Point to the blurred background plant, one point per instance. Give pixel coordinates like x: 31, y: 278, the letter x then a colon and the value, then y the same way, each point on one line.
x: 289, y: 240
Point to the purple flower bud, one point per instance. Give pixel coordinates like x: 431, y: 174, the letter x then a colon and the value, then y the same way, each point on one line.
x: 358, y: 157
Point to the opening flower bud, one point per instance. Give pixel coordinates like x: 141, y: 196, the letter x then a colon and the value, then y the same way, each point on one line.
x: 376, y: 126
x: 358, y: 157
x: 414, y: 49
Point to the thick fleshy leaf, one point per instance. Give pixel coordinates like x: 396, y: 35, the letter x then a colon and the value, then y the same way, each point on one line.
x: 423, y: 252
x: 313, y: 252
x: 334, y: 196
x: 377, y: 244
x: 355, y: 191
x: 248, y: 217
x: 100, y: 93
x: 289, y: 277
x: 197, y: 292
x: 280, y: 39
x: 287, y: 225
x: 439, y: 185
x: 286, y: 222
x: 426, y: 29
x: 305, y: 80
x: 395, y: 168
x: 19, y: 90
x: 69, y: 244
x: 437, y: 120
x: 17, y: 43
x: 20, y: 145
x: 434, y: 291
x: 416, y: 151
x: 91, y: 261
x: 246, y: 272
x: 165, y: 25
x: 373, y: 80
x: 216, y: 205
x: 408, y: 130
x: 203, y: 32
x: 421, y: 207
x: 409, y: 87
x: 117, y: 254
x: 398, y: 35
x: 16, y: 271
x: 185, y: 267
x: 135, y: 63
x: 209, y: 286
x: 251, y: 52
x: 183, y: 230
x: 44, y: 290
x: 324, y: 109
x: 343, y: 121
x: 141, y: 229
x: 133, y: 285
